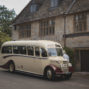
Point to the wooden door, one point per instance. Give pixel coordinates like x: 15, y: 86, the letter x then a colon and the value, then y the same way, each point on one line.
x: 84, y: 54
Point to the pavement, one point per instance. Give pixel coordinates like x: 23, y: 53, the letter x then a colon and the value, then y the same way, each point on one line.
x: 81, y: 74
x: 26, y: 81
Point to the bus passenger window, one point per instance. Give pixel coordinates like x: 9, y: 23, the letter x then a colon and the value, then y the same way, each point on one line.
x: 19, y: 49
x: 7, y: 49
x: 22, y: 49
x: 37, y: 51
x: 16, y: 50
x: 30, y: 51
x: 43, y: 52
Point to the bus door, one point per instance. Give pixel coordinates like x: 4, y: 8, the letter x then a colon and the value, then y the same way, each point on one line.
x: 37, y: 61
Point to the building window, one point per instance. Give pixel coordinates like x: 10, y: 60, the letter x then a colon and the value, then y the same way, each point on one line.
x: 47, y: 27
x: 54, y: 3
x: 33, y: 8
x: 80, y: 22
x: 25, y: 31
x: 15, y: 27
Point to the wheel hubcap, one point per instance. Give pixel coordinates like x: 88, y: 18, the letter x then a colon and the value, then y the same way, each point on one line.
x: 11, y: 68
x: 49, y: 74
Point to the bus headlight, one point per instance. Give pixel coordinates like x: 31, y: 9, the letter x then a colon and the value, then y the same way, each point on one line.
x: 69, y: 64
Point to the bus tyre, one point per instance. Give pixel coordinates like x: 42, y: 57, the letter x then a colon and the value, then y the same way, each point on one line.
x: 11, y: 67
x: 50, y: 74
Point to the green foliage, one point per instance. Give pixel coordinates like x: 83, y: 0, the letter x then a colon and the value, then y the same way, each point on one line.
x: 3, y: 38
x: 70, y: 52
x: 6, y: 18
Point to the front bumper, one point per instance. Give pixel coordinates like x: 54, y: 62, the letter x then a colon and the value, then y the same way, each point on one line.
x: 64, y: 71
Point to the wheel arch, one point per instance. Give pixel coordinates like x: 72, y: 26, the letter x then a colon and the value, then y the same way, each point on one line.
x: 49, y: 66
x: 6, y: 65
x: 11, y: 61
x: 56, y: 69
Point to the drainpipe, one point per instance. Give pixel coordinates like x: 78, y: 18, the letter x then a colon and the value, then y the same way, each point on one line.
x: 64, y: 30
x: 65, y: 15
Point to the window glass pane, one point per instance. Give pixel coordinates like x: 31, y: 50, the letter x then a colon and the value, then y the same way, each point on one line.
x: 80, y: 22
x: 37, y: 52
x: 30, y: 50
x: 22, y: 49
x: 16, y: 49
x: 43, y: 52
x: 19, y: 49
x: 54, y: 3
x: 33, y: 8
x: 55, y: 52
x: 25, y: 30
x: 3, y: 49
x: 7, y: 49
x: 47, y: 27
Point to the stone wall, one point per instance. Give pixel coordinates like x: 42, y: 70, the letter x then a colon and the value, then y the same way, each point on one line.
x: 59, y: 31
x: 69, y: 24
x: 81, y: 41
x: 15, y: 34
x: 73, y: 42
x: 35, y: 30
x: 78, y: 42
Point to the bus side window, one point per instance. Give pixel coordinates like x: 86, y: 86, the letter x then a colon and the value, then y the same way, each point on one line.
x: 19, y: 49
x: 7, y: 49
x: 22, y: 49
x: 4, y: 49
x: 30, y: 50
x: 43, y: 52
x: 37, y: 51
x: 16, y: 50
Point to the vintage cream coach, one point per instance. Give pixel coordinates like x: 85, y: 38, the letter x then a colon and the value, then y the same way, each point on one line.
x: 38, y: 57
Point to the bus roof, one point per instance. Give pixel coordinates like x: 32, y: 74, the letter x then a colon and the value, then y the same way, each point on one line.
x: 43, y: 43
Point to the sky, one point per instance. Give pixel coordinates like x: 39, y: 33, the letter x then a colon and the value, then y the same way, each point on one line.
x: 17, y: 5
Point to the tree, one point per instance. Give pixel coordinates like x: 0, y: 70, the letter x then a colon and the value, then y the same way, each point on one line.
x: 70, y: 52
x: 3, y: 38
x: 6, y: 18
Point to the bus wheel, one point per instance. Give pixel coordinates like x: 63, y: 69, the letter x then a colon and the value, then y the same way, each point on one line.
x: 11, y: 67
x: 50, y: 74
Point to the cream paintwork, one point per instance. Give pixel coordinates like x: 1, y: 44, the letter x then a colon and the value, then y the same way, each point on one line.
x: 32, y: 64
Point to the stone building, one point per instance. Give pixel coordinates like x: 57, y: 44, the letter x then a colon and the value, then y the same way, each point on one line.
x: 64, y: 21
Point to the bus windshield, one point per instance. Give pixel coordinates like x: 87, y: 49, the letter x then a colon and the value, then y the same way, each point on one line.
x: 55, y: 52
